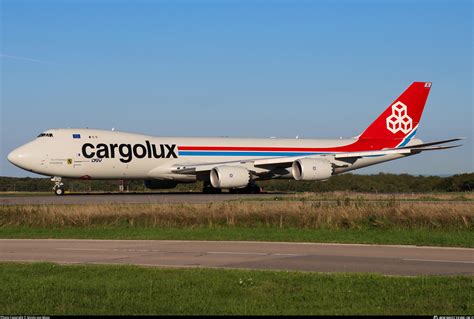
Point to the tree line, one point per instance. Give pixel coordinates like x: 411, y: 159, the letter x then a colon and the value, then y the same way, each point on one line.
x: 378, y: 183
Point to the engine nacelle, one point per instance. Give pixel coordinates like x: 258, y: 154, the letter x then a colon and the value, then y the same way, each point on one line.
x: 311, y: 169
x: 160, y: 184
x: 229, y: 177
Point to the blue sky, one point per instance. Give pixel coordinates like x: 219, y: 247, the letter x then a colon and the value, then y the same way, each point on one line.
x: 316, y: 69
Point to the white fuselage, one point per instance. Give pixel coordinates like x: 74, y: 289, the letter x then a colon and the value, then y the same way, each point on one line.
x: 100, y: 154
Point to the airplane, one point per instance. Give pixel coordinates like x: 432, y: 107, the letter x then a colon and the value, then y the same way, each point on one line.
x: 225, y: 163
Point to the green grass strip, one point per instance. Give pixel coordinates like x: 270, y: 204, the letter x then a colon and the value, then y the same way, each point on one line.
x: 426, y: 237
x: 51, y: 289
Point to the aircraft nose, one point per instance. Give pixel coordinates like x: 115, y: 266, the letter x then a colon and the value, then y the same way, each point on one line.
x: 11, y: 157
x: 14, y: 156
x: 21, y: 157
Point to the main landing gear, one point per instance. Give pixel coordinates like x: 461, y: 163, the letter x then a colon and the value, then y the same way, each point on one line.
x: 209, y: 189
x: 252, y: 188
x: 249, y: 189
x: 58, y: 187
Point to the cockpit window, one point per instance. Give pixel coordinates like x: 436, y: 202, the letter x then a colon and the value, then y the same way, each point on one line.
x: 46, y: 134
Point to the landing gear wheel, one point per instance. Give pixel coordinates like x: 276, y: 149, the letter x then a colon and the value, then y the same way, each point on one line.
x: 249, y: 189
x: 208, y: 189
x: 58, y: 185
x: 211, y: 190
x: 256, y: 189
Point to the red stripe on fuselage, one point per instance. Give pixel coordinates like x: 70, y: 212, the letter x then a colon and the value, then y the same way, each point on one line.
x: 357, y: 146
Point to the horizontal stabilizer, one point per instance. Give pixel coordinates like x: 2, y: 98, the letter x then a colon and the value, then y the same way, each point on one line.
x: 421, y: 149
x: 433, y: 143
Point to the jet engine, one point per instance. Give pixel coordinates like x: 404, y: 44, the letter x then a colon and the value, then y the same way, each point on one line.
x: 229, y: 177
x: 160, y: 184
x: 311, y: 169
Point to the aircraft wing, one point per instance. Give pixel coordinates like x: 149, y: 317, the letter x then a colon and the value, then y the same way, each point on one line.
x: 288, y: 160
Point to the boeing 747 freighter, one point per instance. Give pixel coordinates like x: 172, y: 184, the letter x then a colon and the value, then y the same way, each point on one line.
x: 225, y: 163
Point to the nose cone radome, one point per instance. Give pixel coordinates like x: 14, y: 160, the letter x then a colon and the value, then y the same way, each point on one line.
x: 22, y: 157
x: 11, y: 157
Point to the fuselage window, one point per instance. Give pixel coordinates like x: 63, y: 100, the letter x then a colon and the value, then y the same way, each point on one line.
x: 46, y: 134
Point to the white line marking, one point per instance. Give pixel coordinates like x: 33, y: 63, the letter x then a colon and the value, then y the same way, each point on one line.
x: 279, y: 254
x: 110, y: 249
x: 80, y: 249
x: 440, y: 261
x: 236, y: 253
x: 246, y: 253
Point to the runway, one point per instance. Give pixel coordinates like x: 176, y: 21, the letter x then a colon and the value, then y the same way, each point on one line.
x: 157, y: 198
x: 164, y: 198
x: 383, y: 259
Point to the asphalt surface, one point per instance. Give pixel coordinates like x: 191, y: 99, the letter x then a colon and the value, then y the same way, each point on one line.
x: 384, y: 259
x: 159, y: 198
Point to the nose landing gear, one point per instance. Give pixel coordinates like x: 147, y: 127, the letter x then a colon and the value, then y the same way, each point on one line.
x: 58, y: 187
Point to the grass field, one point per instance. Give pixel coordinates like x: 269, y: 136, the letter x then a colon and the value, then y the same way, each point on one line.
x: 346, y: 221
x: 345, y: 214
x: 52, y: 289
x: 23, y: 194
x: 440, y: 220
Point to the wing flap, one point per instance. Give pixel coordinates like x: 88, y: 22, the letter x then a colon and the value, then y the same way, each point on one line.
x: 192, y: 169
